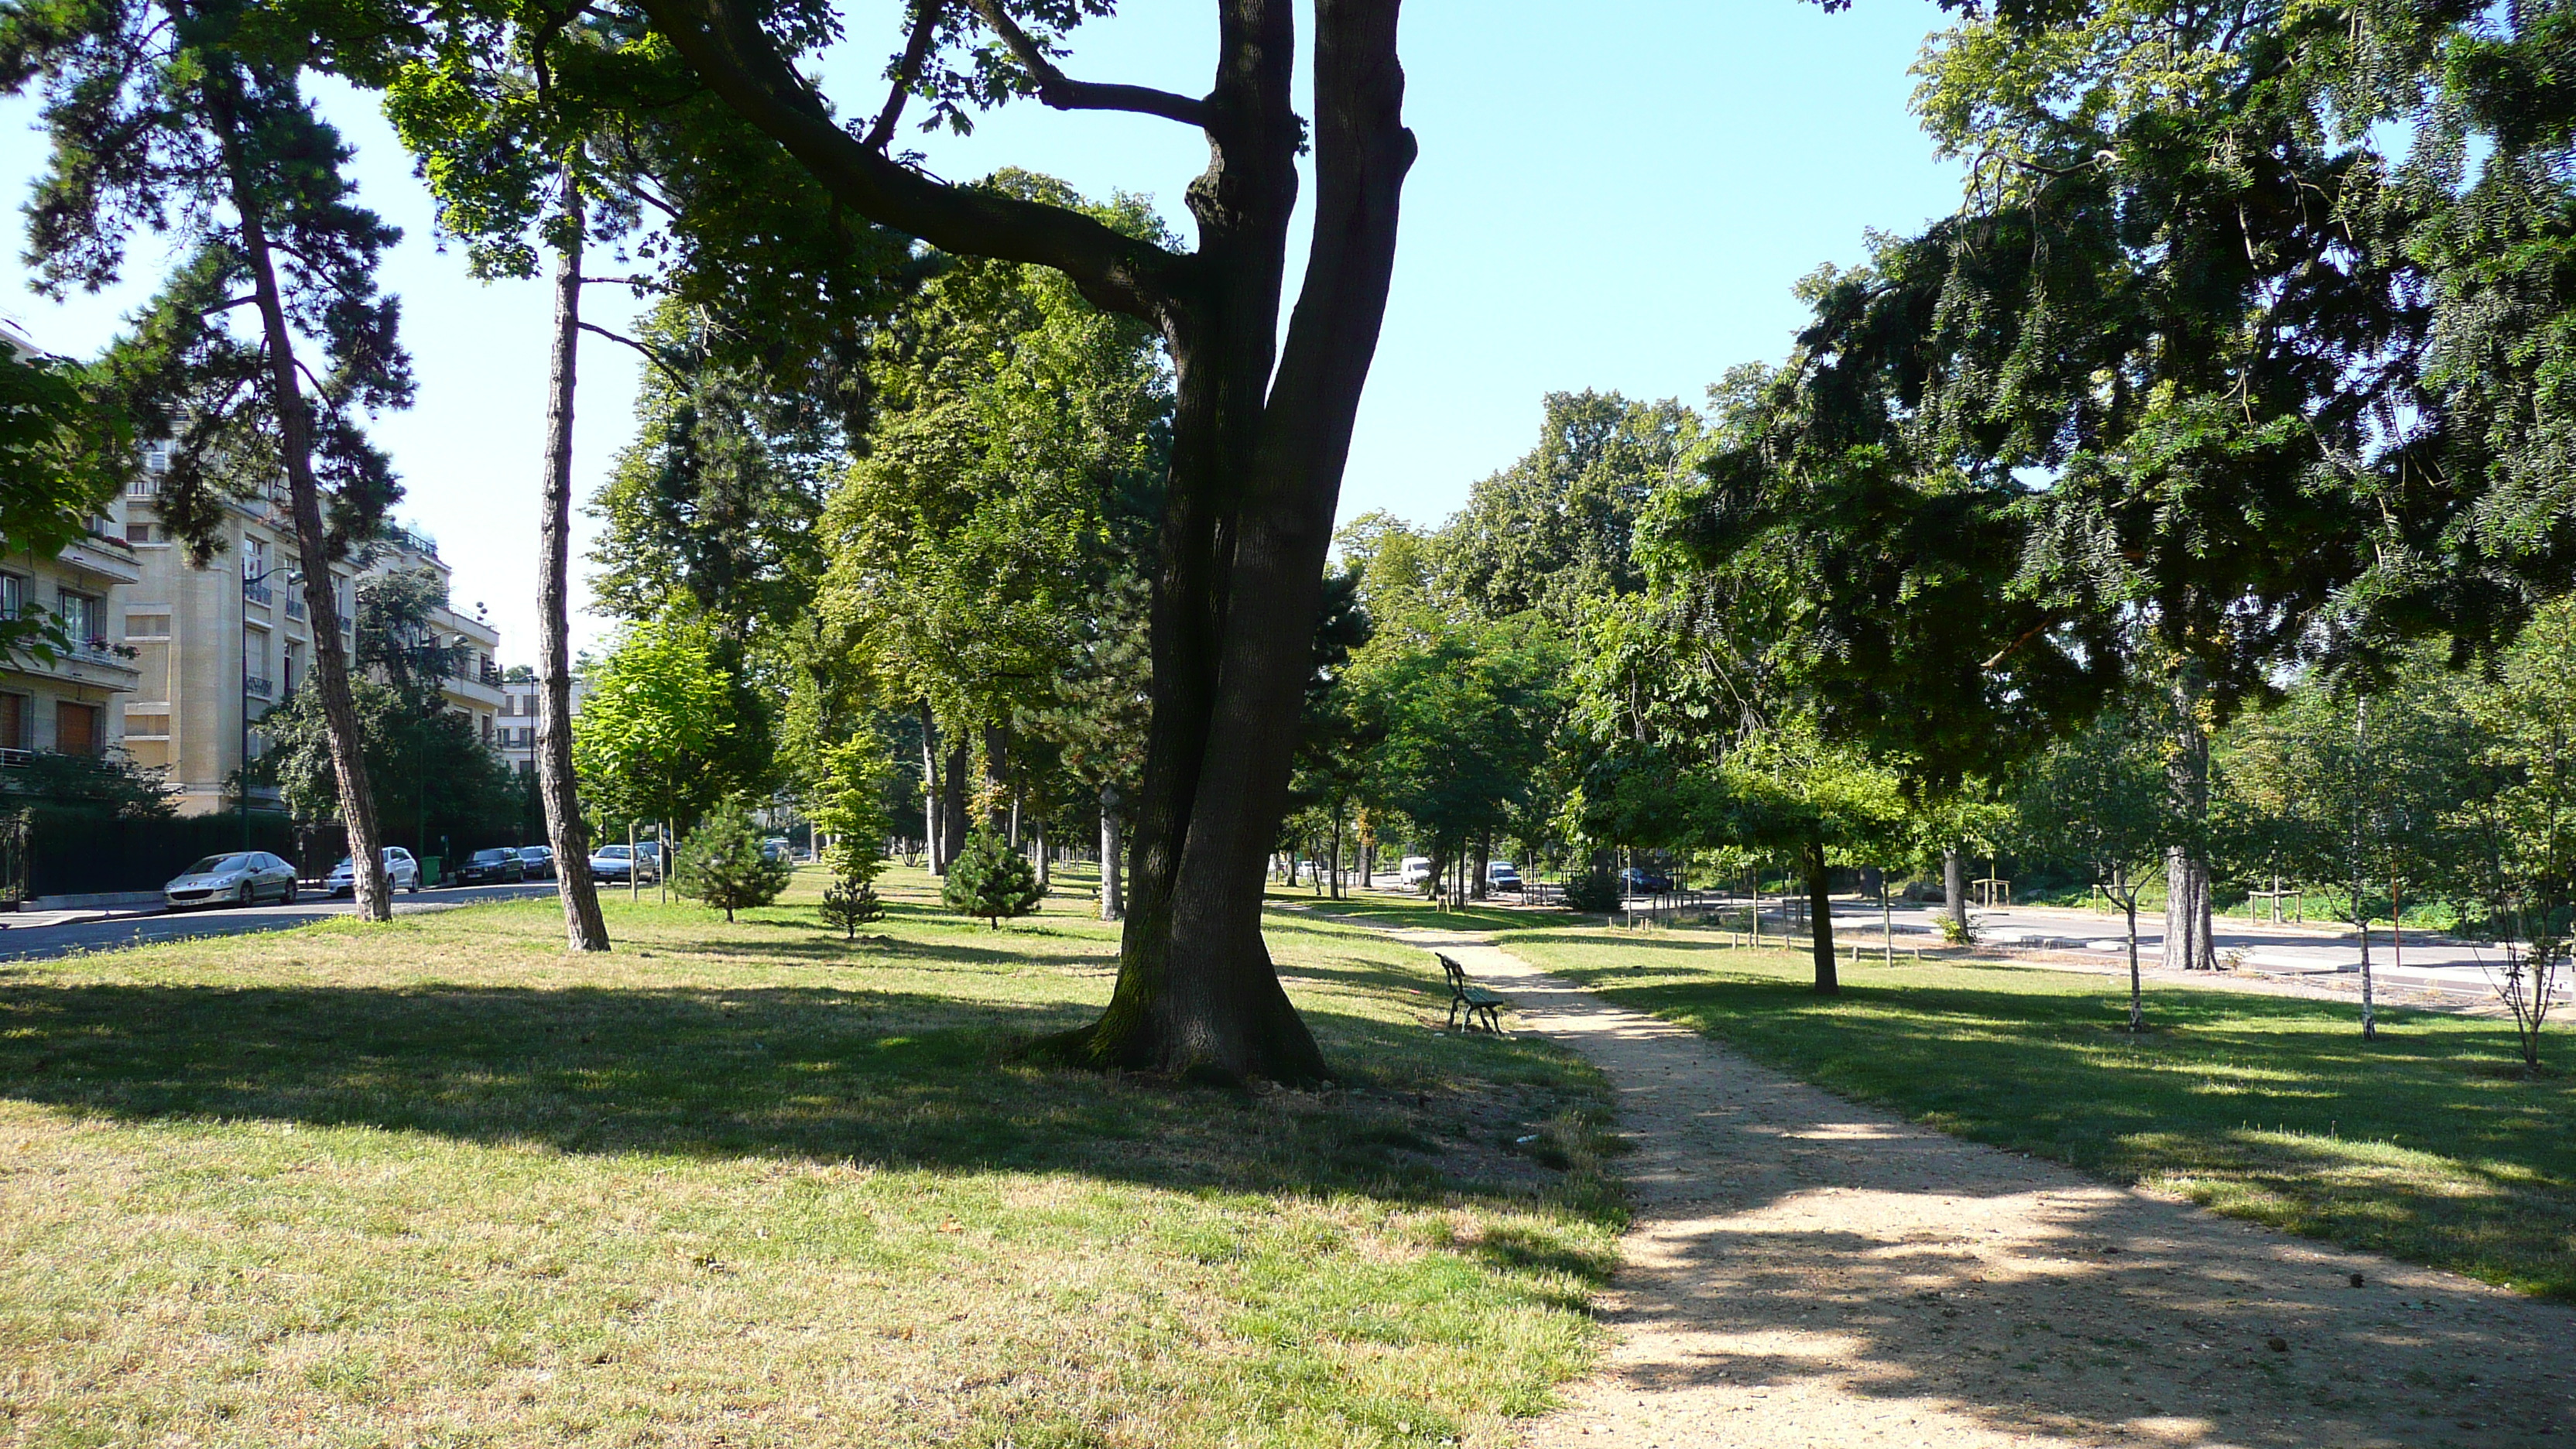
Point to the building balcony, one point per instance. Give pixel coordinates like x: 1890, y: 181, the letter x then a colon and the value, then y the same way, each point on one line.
x: 93, y: 662
x: 294, y: 604
x: 257, y: 593
x: 103, y: 557
x: 258, y: 688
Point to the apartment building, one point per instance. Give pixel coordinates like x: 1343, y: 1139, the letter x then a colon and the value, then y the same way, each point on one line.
x: 519, y: 719
x: 216, y: 647
x: 69, y: 703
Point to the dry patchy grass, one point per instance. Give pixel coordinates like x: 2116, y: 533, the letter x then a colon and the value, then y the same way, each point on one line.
x: 438, y: 1183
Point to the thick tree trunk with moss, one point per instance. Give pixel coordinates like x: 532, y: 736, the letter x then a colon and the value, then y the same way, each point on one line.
x: 1820, y: 913
x: 1954, y: 890
x: 585, y: 929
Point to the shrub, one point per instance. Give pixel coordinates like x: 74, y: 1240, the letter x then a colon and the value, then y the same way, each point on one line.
x: 849, y: 804
x: 721, y: 863
x: 990, y: 879
x: 1957, y: 932
x: 1595, y: 892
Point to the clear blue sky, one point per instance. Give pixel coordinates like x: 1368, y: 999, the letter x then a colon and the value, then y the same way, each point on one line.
x: 1613, y: 195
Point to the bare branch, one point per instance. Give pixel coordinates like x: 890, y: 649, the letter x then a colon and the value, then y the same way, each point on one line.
x: 724, y: 44
x: 907, y: 72
x: 1065, y: 94
x: 650, y: 355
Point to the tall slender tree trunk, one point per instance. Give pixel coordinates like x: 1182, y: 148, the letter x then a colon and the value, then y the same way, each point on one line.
x: 2188, y: 920
x: 1113, y: 902
x: 1954, y: 889
x: 368, y: 885
x: 1038, y: 843
x: 1336, y: 863
x: 934, y: 799
x: 2360, y: 903
x: 1820, y: 912
x: 584, y: 928
x: 2137, y: 992
x: 953, y: 800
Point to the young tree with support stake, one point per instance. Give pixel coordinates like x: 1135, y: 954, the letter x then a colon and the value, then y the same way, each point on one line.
x: 2102, y: 797
x: 190, y: 117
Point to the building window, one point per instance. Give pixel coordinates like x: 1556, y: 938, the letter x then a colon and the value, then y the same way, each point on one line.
x: 147, y: 626
x: 76, y: 729
x: 13, y: 721
x: 254, y: 557
x: 13, y: 596
x: 80, y: 617
x: 294, y: 665
x: 138, y: 533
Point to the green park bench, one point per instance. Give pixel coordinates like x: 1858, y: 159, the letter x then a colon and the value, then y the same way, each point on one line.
x: 1475, y: 998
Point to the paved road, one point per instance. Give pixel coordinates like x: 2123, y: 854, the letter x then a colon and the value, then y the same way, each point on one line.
x: 2286, y: 949
x: 22, y: 943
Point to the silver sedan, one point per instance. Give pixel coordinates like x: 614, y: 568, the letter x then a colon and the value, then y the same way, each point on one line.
x: 241, y: 879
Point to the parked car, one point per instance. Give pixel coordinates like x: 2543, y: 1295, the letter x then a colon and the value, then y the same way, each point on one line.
x: 619, y: 864
x: 776, y: 849
x: 649, y: 853
x: 497, y: 866
x: 1502, y: 877
x: 240, y: 879
x: 538, y: 861
x: 1639, y: 881
x: 1413, y: 870
x: 401, y: 871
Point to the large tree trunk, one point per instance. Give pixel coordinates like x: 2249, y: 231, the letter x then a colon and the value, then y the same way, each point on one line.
x: 368, y: 886
x: 1484, y: 857
x: 953, y: 800
x: 2188, y: 920
x: 1260, y: 433
x: 584, y: 928
x: 1954, y: 889
x: 1820, y: 914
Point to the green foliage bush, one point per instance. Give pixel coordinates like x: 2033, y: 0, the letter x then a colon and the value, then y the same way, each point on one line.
x: 850, y: 903
x: 990, y: 878
x: 848, y: 803
x: 721, y: 863
x: 1594, y: 893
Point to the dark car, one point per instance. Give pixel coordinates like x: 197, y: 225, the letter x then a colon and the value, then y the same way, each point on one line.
x: 1637, y: 881
x: 491, y: 867
x: 538, y: 861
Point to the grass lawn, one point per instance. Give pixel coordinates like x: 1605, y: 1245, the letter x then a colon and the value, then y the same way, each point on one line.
x: 2428, y: 1144
x: 439, y: 1183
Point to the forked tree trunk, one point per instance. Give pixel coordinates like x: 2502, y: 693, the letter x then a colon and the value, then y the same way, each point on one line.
x: 1260, y: 432
x: 368, y: 885
x: 1820, y: 912
x: 584, y: 928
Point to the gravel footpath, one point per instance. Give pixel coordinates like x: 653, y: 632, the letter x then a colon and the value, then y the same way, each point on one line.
x: 1803, y: 1271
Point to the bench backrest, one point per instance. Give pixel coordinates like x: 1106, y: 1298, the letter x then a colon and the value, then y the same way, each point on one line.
x: 1457, y: 973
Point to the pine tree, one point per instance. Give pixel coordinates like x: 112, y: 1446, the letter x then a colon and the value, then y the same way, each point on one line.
x: 849, y: 806
x: 990, y: 879
x: 721, y: 863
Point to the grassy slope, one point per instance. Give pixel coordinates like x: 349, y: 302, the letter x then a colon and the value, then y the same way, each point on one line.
x: 2427, y: 1145
x: 439, y: 1183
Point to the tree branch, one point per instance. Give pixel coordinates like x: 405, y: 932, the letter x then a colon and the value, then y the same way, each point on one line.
x: 735, y: 57
x: 907, y: 72
x: 650, y: 355
x: 1065, y: 94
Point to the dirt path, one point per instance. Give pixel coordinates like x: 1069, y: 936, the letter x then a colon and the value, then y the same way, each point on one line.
x: 1804, y: 1271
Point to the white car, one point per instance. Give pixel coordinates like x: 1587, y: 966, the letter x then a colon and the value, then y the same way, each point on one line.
x: 401, y: 871
x: 1413, y: 870
x: 619, y: 864
x: 1502, y: 876
x: 239, y: 879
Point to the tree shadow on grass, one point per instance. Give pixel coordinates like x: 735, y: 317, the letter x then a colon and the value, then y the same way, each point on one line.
x: 890, y: 1078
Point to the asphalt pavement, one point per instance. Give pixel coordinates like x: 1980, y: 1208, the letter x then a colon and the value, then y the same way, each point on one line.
x: 36, y: 942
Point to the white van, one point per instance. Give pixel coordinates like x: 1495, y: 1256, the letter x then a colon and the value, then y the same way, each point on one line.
x: 1413, y: 871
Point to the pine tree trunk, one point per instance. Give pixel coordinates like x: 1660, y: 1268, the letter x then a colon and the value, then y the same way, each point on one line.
x: 2188, y: 920
x: 1820, y: 912
x: 369, y: 887
x: 584, y: 928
